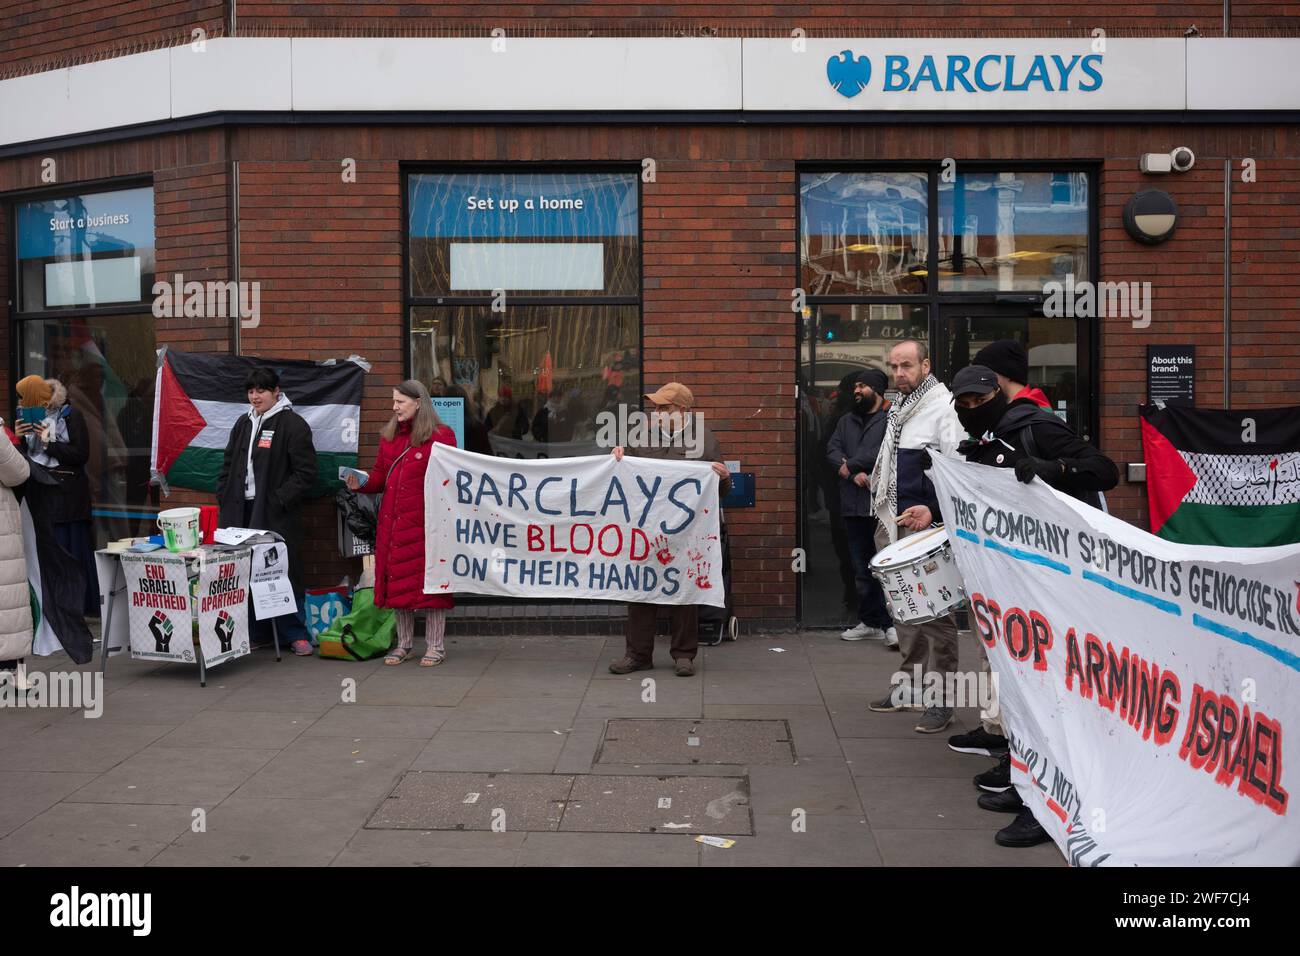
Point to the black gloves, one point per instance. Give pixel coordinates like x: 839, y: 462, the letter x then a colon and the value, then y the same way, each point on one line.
x: 1049, y: 471
x: 926, y: 460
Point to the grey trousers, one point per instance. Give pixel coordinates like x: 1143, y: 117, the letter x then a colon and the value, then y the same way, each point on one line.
x: 931, y: 646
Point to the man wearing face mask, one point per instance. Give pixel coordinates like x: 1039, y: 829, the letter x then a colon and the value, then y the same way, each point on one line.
x: 852, y: 452
x: 1018, y: 434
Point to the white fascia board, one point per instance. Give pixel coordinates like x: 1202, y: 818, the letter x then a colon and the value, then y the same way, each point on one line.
x: 231, y: 74
x: 1238, y: 73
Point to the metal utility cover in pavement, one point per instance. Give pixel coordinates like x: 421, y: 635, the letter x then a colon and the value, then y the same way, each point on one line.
x: 686, y: 741
x: 435, y: 800
x: 644, y: 804
x: 532, y: 802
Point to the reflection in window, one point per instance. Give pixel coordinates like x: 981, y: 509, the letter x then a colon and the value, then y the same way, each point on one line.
x: 848, y: 339
x: 85, y: 250
x: 1012, y: 231
x: 108, y: 366
x: 863, y: 233
x: 534, y: 377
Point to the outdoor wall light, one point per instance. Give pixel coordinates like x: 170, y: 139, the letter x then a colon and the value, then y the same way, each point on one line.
x: 1150, y: 216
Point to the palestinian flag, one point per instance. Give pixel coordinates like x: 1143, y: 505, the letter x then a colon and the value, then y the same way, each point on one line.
x: 200, y: 395
x: 1220, y: 477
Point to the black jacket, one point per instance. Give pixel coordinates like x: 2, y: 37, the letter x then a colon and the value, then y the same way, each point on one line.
x: 284, y: 473
x: 72, y: 503
x: 856, y: 439
x: 1028, y: 430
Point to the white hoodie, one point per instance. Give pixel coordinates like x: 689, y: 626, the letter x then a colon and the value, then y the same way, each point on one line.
x: 250, y: 482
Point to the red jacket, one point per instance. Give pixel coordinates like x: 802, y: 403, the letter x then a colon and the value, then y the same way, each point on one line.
x: 399, y: 537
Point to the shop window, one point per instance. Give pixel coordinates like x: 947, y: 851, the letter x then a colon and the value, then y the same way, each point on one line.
x: 1012, y: 231
x: 863, y: 233
x: 524, y: 300
x: 85, y: 270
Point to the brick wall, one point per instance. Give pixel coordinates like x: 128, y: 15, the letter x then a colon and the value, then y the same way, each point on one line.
x: 46, y: 33
x: 718, y: 227
x: 328, y: 257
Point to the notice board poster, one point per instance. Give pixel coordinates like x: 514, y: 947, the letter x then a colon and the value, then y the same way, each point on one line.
x: 1171, y: 374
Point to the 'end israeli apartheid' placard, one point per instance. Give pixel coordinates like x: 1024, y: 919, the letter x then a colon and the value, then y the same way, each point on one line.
x: 593, y: 528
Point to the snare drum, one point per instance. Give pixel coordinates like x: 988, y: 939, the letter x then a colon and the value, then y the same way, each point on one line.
x: 920, y: 577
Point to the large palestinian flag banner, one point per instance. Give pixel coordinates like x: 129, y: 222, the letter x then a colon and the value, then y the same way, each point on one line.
x: 200, y: 396
x: 1223, y: 477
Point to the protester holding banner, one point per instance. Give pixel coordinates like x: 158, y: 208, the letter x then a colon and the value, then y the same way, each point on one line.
x: 852, y: 452
x: 405, y: 445
x: 1013, y: 435
x: 904, y: 502
x: 673, y: 419
x: 267, y: 469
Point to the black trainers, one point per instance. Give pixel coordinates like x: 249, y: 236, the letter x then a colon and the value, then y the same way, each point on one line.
x: 998, y: 779
x: 979, y: 741
x: 1008, y: 801
x: 1024, y: 831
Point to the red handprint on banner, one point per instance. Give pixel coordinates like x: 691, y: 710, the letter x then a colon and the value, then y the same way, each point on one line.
x: 700, y: 575
x: 662, y: 554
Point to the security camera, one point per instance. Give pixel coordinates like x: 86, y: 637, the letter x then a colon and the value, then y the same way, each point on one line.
x: 1182, y: 159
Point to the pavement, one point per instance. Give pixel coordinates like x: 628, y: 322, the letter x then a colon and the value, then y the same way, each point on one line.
x: 518, y: 751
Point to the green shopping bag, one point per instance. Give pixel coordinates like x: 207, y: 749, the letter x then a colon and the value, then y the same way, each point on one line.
x: 364, y: 632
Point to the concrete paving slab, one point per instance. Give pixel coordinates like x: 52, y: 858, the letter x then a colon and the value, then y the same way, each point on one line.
x: 412, y: 685
x: 490, y: 752
x: 195, y: 776
x: 923, y: 803
x: 29, y: 793
x: 962, y: 848
x: 364, y: 720
x: 431, y: 848
x: 580, y: 746
x: 796, y: 686
x: 821, y: 785
x: 513, y: 714
x: 80, y: 746
x: 580, y: 648
x: 922, y: 755
x: 257, y: 730
x: 425, y: 800
x: 609, y: 849
x: 646, y: 804
x: 531, y: 678
x: 265, y: 697
x: 631, y: 696
x: 95, y: 834
x: 822, y: 841
x: 262, y: 831
x: 811, y: 729
x: 319, y: 768
x: 696, y: 741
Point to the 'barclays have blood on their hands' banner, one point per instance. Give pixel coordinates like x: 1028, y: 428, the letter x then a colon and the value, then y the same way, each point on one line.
x: 636, y: 530
x: 1148, y: 688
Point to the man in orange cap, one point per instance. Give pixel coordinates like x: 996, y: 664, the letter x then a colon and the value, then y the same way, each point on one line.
x: 674, y: 420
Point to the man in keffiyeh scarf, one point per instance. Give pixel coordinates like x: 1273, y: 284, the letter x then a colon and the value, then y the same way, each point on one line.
x: 905, y: 502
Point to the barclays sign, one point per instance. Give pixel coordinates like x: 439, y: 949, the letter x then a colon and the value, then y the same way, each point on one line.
x: 989, y: 73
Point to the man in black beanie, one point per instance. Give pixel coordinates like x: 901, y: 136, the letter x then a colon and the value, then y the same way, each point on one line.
x: 1010, y: 362
x: 852, y: 451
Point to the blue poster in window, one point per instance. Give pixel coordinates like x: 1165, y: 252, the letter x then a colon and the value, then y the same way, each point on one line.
x: 86, y: 224
x: 522, y: 205
x: 452, y: 413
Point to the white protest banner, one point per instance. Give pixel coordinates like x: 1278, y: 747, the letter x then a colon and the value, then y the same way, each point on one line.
x: 1147, y: 687
x: 636, y: 530
x: 223, y: 606
x: 158, y: 606
x: 272, y: 590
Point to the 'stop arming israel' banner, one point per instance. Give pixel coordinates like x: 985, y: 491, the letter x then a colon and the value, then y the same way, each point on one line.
x: 1148, y: 688
x: 636, y: 530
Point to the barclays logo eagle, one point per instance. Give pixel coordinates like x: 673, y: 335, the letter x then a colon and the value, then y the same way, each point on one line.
x: 848, y: 76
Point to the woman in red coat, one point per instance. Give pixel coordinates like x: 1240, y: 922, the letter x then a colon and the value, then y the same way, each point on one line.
x: 404, y: 448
